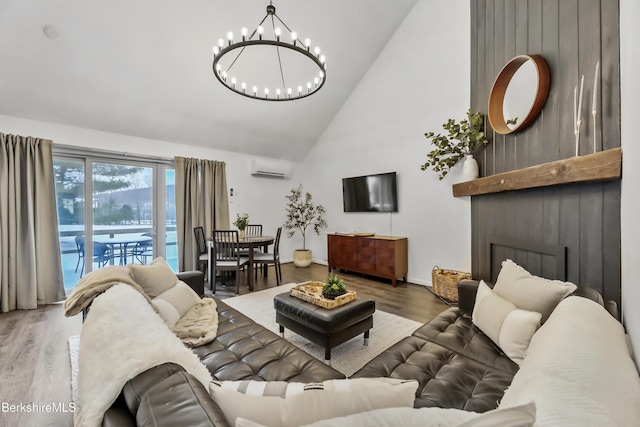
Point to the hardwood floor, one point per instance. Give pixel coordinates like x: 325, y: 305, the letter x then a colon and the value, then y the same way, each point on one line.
x: 34, y: 365
x: 34, y: 356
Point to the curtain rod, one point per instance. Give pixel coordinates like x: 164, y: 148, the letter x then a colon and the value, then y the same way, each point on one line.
x: 76, y: 151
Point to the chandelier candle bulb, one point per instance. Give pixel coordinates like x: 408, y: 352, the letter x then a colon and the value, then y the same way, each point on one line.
x: 244, y: 87
x: 278, y: 32
x: 233, y: 82
x: 260, y: 31
x: 255, y: 90
x: 307, y: 43
x: 294, y: 37
x: 221, y: 43
x: 244, y: 32
x: 278, y: 93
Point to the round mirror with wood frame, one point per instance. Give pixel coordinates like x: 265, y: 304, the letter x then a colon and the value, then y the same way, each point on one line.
x: 525, y: 81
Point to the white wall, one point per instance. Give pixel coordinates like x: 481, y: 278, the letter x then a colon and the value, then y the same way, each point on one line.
x: 262, y: 198
x: 630, y: 209
x: 419, y: 80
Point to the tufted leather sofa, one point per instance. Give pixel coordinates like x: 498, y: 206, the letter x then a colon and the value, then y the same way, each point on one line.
x: 456, y: 364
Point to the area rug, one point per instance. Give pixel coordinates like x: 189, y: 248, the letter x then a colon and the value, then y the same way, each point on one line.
x: 347, y: 357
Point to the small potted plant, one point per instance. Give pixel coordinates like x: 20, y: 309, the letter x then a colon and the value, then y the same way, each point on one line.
x: 462, y: 140
x: 241, y: 222
x: 301, y: 214
x: 333, y: 287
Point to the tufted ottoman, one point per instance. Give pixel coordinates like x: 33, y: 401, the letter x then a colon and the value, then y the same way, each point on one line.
x: 324, y: 327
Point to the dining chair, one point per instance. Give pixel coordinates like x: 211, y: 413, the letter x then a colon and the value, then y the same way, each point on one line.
x: 226, y: 257
x: 202, y: 255
x: 251, y: 230
x: 264, y: 259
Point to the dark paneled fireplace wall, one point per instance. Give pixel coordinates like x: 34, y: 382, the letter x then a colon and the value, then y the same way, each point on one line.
x: 572, y: 35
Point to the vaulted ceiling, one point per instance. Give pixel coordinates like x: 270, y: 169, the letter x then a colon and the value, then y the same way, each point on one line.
x: 143, y: 67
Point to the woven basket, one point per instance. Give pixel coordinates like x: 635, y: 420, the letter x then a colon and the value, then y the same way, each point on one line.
x: 445, y: 282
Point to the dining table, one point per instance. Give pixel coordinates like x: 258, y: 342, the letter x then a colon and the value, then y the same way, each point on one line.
x: 122, y: 241
x: 247, y: 242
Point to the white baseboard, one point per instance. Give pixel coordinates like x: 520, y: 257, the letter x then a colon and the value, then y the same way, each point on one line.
x: 415, y: 281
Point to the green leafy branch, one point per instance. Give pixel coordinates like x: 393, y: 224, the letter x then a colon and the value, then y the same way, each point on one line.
x: 461, y: 140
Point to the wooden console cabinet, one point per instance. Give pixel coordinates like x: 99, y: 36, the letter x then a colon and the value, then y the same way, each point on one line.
x: 381, y: 256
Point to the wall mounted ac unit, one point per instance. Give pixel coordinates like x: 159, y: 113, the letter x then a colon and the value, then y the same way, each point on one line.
x: 272, y: 168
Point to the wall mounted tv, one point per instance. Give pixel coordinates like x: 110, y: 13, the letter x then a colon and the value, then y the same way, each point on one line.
x: 370, y: 193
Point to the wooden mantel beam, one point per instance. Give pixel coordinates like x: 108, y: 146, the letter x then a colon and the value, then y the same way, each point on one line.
x: 597, y: 167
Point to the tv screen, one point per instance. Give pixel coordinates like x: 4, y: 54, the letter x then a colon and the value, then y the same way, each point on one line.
x: 370, y: 193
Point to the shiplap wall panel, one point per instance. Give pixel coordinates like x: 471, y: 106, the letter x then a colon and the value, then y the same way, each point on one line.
x: 572, y: 35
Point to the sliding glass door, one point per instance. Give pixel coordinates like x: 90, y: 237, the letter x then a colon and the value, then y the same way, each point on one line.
x: 129, y: 217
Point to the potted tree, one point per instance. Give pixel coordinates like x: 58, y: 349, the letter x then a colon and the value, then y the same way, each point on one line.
x: 301, y: 214
x: 463, y: 139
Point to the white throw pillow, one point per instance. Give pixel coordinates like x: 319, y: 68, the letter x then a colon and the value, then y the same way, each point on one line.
x: 181, y: 296
x: 509, y: 327
x: 168, y: 312
x: 154, y: 278
x: 530, y: 292
x: 279, y: 403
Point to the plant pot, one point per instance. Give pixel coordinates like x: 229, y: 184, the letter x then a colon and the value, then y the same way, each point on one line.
x: 302, y: 257
x: 469, y: 169
x: 331, y: 294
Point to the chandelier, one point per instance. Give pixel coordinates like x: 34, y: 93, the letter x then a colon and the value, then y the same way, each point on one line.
x: 252, y: 65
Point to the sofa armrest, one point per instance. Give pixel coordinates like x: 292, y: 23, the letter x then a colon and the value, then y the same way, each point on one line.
x: 195, y: 279
x: 166, y: 395
x: 118, y: 417
x: 467, y: 289
x: 612, y: 308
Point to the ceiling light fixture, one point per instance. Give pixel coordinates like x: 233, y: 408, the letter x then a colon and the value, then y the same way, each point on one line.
x: 308, y: 79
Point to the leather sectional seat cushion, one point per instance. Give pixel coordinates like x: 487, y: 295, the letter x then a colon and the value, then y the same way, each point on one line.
x: 245, y: 350
x: 447, y: 379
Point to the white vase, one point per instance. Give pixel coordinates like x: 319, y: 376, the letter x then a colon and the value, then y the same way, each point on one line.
x: 469, y: 168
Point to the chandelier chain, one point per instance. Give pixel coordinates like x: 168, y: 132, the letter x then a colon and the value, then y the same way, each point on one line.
x: 250, y: 37
x: 273, y: 24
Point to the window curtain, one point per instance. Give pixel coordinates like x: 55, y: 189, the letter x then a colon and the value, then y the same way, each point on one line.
x: 30, y: 264
x: 201, y: 200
